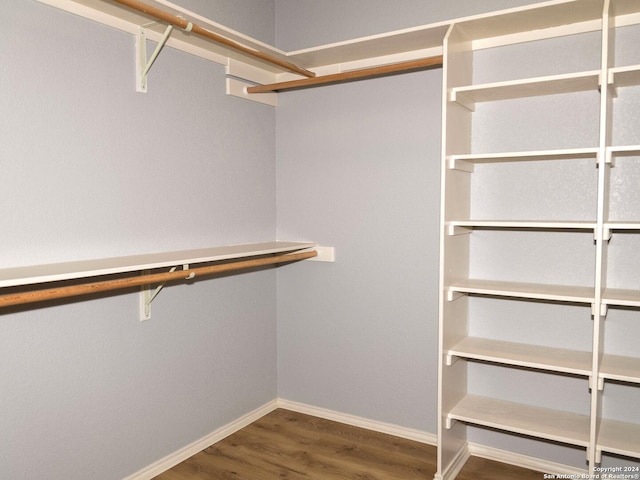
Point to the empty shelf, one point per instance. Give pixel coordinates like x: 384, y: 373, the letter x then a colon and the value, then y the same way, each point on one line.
x: 620, y: 297
x: 465, y: 161
x: 524, y: 355
x: 539, y: 422
x: 625, y: 76
x: 618, y: 367
x: 529, y: 87
x: 456, y: 225
x: 90, y: 268
x: 620, y: 438
x: 539, y: 291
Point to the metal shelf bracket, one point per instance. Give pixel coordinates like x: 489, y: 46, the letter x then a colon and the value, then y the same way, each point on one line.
x: 147, y: 297
x: 143, y: 65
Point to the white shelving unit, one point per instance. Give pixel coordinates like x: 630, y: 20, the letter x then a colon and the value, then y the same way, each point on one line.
x: 466, y: 250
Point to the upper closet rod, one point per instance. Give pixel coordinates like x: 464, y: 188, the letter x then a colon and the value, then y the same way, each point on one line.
x: 122, y: 283
x: 363, y: 73
x: 171, y: 19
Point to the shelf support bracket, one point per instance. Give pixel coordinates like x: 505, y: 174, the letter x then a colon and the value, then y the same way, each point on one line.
x: 596, y: 383
x: 449, y: 422
x: 146, y: 297
x: 142, y: 64
x: 453, y: 295
x: 451, y: 359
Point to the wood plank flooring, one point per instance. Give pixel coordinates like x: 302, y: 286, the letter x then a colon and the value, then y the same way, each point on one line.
x: 285, y: 445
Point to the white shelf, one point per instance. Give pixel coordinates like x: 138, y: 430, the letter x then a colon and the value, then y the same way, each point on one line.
x: 538, y: 291
x: 625, y: 76
x: 617, y: 367
x: 10, y: 277
x: 533, y: 21
x: 620, y: 438
x: 570, y: 428
x: 458, y: 226
x: 622, y: 226
x: 529, y: 87
x: 621, y: 297
x: 465, y: 161
x: 624, y: 149
x: 524, y: 355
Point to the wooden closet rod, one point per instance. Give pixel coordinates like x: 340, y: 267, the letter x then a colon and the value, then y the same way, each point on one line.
x: 412, y: 65
x: 174, y: 20
x: 108, y: 285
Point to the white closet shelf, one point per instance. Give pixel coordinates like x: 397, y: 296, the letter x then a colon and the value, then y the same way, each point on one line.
x: 618, y: 367
x: 466, y: 161
x: 535, y: 291
x: 523, y: 355
x: 529, y: 87
x: 621, y: 297
x: 559, y: 426
x: 620, y: 438
x: 627, y: 76
x: 458, y: 226
x: 624, y: 149
x: 622, y: 226
x: 533, y: 19
x: 11, y: 277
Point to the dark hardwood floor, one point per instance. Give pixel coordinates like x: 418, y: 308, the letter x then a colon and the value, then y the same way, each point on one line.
x: 285, y: 445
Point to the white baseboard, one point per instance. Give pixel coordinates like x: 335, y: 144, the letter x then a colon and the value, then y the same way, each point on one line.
x: 490, y: 453
x: 525, y: 461
x: 388, y: 428
x: 181, y: 455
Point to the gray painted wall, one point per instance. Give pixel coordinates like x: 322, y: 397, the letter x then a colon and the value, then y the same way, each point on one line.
x: 91, y: 169
x: 358, y: 169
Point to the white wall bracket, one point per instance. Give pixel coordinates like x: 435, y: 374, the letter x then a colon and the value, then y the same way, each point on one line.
x: 146, y: 297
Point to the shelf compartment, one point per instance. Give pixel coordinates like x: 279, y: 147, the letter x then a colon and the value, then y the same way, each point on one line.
x: 619, y: 438
x: 465, y: 161
x: 523, y: 355
x: 622, y: 226
x: 468, y: 96
x: 621, y: 297
x: 11, y: 277
x: 534, y: 291
x: 555, y: 425
x: 621, y: 368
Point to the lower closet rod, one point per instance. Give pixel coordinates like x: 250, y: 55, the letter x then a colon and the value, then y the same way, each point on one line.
x: 349, y: 75
x: 108, y: 285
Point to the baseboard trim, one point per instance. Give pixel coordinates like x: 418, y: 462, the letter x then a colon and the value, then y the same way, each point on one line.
x: 525, y: 461
x: 388, y: 428
x: 181, y: 455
